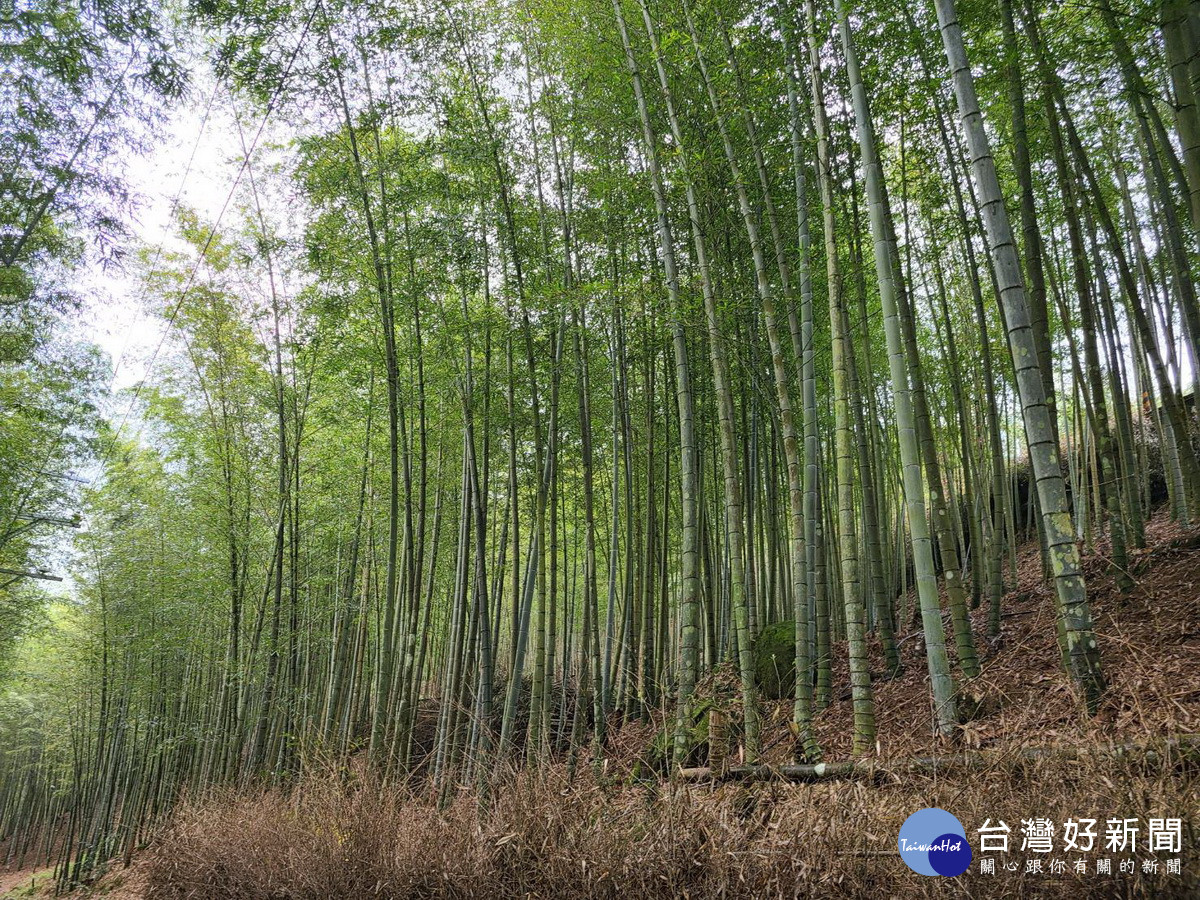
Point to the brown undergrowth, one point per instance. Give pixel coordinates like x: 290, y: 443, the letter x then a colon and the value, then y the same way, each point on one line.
x: 543, y: 836
x: 609, y: 834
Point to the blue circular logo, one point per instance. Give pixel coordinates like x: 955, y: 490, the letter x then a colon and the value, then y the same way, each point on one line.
x: 933, y: 842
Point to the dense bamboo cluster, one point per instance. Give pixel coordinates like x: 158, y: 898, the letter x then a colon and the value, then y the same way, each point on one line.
x: 565, y: 349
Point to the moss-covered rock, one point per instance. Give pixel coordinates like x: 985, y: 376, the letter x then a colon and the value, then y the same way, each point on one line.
x: 775, y: 660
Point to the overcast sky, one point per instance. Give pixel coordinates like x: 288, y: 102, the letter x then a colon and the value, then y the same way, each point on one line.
x: 193, y: 158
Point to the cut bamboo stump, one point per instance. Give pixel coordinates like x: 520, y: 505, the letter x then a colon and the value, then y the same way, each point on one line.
x: 1183, y: 748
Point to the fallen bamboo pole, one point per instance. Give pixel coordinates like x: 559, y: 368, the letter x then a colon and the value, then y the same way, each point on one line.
x: 1186, y: 746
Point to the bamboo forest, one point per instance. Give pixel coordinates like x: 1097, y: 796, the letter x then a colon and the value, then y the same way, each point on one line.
x: 599, y: 448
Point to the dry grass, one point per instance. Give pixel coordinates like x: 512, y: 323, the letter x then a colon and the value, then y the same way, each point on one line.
x: 545, y: 837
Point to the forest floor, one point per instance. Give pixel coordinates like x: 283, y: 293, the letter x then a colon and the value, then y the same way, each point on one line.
x: 616, y: 833
x: 1149, y: 648
x: 23, y: 882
